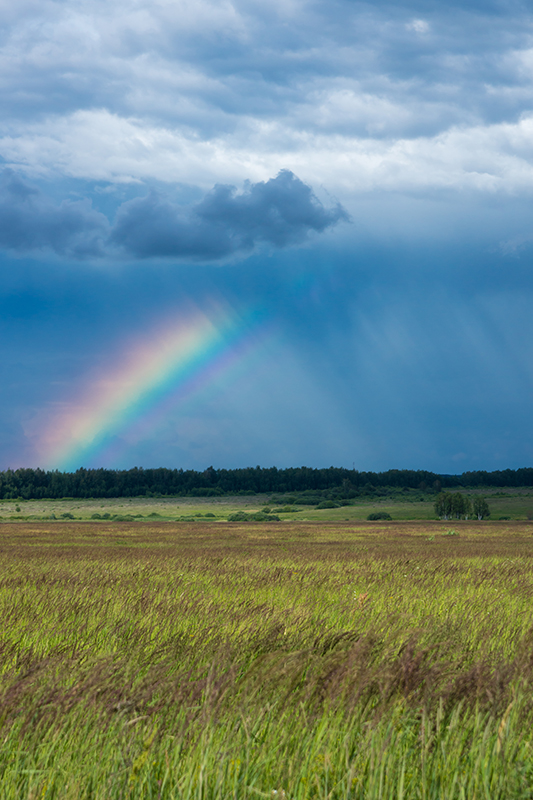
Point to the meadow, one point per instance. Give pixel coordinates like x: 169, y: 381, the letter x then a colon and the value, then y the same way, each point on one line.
x: 408, y: 504
x: 154, y: 659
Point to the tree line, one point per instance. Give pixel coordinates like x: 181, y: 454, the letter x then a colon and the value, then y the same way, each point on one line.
x: 40, y: 484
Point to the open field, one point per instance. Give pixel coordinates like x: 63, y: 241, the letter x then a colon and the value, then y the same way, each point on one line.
x: 411, y: 504
x: 289, y: 660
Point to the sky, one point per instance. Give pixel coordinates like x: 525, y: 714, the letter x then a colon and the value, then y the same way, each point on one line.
x: 292, y: 233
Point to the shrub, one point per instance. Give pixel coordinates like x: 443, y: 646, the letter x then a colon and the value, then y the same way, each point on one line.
x: 259, y: 516
x: 238, y: 516
x: 379, y: 515
x: 328, y: 504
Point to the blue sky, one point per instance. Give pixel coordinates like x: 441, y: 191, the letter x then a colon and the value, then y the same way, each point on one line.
x: 359, y: 177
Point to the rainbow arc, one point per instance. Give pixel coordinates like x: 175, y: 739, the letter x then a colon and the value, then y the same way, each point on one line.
x: 151, y: 377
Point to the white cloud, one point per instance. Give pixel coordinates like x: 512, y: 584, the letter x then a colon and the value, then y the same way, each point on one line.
x: 210, y: 91
x: 181, y: 60
x: 418, y: 26
x: 98, y: 145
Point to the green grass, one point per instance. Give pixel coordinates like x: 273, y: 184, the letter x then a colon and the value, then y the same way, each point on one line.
x: 288, y: 660
x: 409, y: 505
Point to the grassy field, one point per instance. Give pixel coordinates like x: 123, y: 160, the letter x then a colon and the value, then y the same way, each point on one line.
x: 287, y: 660
x: 408, y: 505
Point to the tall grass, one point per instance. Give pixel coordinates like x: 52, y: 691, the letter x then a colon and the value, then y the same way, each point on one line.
x: 286, y: 661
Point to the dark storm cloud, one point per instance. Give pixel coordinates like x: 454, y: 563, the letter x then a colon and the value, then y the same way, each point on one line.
x: 279, y: 212
x: 30, y: 221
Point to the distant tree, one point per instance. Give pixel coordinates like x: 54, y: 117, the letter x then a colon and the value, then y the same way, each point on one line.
x: 461, y: 505
x: 481, y: 508
x: 458, y: 505
x: 347, y: 488
x: 448, y: 505
x: 444, y: 504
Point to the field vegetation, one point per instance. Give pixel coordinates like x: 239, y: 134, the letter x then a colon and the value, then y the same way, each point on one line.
x: 153, y: 659
x: 330, y: 505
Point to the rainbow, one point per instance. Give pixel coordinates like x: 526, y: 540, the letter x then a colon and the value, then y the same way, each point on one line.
x: 151, y: 376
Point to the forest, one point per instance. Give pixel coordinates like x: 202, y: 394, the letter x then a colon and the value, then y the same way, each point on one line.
x: 29, y: 484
